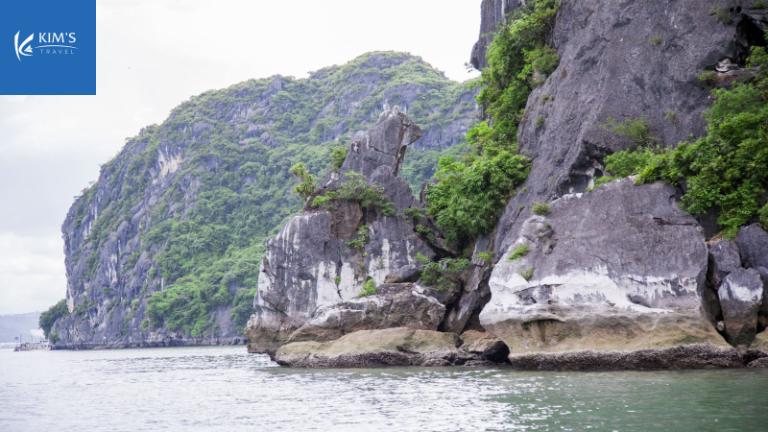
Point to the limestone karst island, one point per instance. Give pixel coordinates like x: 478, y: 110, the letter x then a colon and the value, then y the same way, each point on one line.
x: 567, y: 232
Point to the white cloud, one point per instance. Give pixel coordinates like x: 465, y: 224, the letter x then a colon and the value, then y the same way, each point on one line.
x: 154, y: 54
x: 31, y: 272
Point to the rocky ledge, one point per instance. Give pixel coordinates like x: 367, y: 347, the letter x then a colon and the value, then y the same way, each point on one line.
x: 697, y: 356
x: 392, y: 347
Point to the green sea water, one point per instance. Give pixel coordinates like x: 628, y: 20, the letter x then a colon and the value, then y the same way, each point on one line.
x: 226, y: 389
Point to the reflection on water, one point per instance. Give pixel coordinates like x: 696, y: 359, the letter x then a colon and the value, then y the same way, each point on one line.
x: 225, y: 389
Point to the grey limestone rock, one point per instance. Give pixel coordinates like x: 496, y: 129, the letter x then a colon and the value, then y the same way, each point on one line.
x: 753, y: 246
x: 394, y: 305
x: 493, y: 13
x: 617, y: 269
x: 741, y: 297
x: 723, y: 259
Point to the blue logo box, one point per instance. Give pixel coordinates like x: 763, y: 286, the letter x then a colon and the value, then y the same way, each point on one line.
x: 48, y: 47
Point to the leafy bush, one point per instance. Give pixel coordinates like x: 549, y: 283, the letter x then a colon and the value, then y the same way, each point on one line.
x: 49, y: 317
x: 442, y: 274
x: 189, y: 301
x: 338, y: 155
x: 636, y: 130
x: 519, y: 251
x: 186, y: 306
x: 361, y: 240
x: 307, y: 181
x: 763, y: 215
x: 486, y: 257
x: 468, y: 197
x: 368, y: 289
x: 727, y: 169
x: 540, y: 208
x: 356, y: 189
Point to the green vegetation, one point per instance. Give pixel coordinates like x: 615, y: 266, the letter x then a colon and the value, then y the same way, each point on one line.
x: 189, y: 302
x: 518, y: 59
x: 540, y: 208
x: 470, y: 192
x: 307, y: 182
x: 356, y: 189
x: 361, y: 240
x: 636, y: 130
x: 519, y: 251
x: 656, y: 40
x: 442, y: 274
x: 338, y: 155
x: 727, y: 169
x: 47, y: 318
x: 368, y: 289
x: 486, y: 257
x: 527, y: 273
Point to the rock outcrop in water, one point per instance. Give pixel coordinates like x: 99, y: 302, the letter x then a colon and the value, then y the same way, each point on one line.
x: 314, y: 270
x: 165, y: 248
x: 618, y: 277
x: 620, y: 268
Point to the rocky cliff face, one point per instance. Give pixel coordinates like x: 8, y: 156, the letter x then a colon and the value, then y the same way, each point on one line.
x: 493, y: 13
x: 165, y: 247
x: 620, y: 268
x: 618, y: 62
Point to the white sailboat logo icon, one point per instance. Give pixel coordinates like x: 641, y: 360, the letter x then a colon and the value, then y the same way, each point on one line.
x: 25, y: 49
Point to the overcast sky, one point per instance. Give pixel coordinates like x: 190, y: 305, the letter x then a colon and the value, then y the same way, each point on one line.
x: 154, y: 54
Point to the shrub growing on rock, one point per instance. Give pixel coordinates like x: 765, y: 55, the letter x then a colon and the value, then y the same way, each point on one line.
x: 307, y: 181
x: 442, y: 274
x: 519, y: 251
x: 369, y: 289
x: 356, y: 189
x: 337, y: 156
x: 540, y: 208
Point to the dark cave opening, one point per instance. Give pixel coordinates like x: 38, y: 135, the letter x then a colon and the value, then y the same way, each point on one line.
x: 750, y: 34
